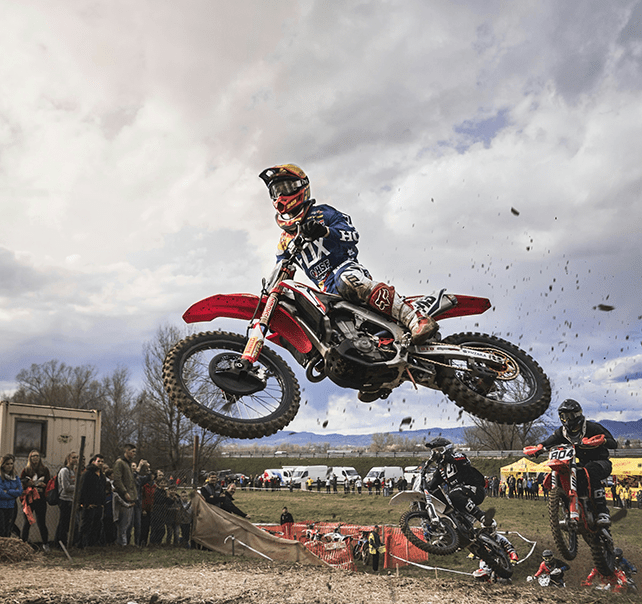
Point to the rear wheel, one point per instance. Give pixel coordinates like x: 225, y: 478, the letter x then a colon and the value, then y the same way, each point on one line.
x: 512, y: 390
x: 199, y: 376
x: 437, y: 538
x: 558, y: 512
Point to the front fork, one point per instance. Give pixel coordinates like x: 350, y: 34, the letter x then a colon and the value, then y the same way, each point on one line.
x: 259, y: 329
x: 573, y: 507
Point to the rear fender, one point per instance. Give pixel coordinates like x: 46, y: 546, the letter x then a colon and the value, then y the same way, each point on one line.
x: 466, y: 305
x: 246, y: 306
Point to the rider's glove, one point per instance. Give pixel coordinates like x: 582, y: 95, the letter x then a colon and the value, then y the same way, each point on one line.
x: 533, y: 450
x: 313, y: 229
x: 530, y: 578
x: 594, y: 441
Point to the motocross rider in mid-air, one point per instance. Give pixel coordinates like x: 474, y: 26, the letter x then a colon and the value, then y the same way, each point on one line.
x: 329, y: 259
x: 592, y: 442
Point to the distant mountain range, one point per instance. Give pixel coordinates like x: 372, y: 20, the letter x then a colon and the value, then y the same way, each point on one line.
x: 626, y: 430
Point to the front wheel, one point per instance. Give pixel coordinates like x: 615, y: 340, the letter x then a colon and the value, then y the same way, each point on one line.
x: 437, y: 538
x: 564, y: 536
x: 494, y: 555
x: 514, y: 390
x: 601, y: 546
x: 196, y: 376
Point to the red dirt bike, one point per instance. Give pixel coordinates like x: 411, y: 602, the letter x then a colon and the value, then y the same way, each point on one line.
x: 236, y: 386
x: 572, y: 513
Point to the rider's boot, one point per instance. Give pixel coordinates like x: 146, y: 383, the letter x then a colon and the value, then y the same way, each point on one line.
x: 384, y: 298
x: 477, y: 512
x: 603, y: 517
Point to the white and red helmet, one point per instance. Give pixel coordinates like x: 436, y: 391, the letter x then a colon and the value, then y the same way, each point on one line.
x: 289, y: 189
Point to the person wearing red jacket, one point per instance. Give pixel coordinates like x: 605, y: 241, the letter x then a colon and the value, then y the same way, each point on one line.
x: 592, y: 443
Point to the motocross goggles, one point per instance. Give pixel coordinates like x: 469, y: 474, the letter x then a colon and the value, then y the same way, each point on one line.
x: 571, y: 418
x: 285, y: 188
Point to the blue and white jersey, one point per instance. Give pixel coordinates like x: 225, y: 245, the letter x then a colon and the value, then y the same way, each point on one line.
x: 321, y: 258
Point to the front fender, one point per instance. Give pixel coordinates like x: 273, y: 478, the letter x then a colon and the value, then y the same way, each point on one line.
x: 245, y: 306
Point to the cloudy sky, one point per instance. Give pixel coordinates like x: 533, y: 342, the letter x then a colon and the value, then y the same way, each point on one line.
x: 132, y: 134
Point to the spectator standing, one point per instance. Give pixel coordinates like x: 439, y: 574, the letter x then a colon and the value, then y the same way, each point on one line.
x: 359, y: 484
x: 287, y: 520
x: 142, y: 476
x: 510, y: 483
x: 377, y: 486
x: 66, y: 488
x: 172, y: 527
x: 147, y: 503
x: 375, y: 547
x: 109, y: 528
x: 91, y: 498
x: 211, y: 490
x: 159, y: 511
x: 185, y: 515
x: 228, y: 504
x: 10, y: 490
x: 519, y: 483
x: 125, y: 488
x: 35, y: 476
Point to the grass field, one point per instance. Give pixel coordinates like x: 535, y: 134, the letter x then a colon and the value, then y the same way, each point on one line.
x: 529, y: 518
x: 526, y: 517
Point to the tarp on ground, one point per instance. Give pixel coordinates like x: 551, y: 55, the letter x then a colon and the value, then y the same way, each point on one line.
x: 213, y: 525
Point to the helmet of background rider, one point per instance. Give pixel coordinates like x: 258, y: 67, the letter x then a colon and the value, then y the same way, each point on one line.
x: 438, y: 447
x: 618, y: 554
x: 289, y: 189
x: 571, y: 416
x: 547, y: 555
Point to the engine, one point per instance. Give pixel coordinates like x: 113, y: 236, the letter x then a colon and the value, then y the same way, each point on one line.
x: 358, y: 355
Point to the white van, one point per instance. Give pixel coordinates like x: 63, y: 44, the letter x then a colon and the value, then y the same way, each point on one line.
x: 344, y: 473
x: 384, y: 472
x: 302, y: 473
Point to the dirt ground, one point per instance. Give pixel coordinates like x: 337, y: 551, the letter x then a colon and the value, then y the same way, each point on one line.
x: 260, y: 582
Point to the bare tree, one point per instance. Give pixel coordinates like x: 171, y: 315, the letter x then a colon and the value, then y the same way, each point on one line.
x: 118, y: 425
x: 489, y: 436
x: 55, y: 384
x: 173, y: 433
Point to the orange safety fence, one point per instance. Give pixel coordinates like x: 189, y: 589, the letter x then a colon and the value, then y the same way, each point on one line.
x: 322, y: 539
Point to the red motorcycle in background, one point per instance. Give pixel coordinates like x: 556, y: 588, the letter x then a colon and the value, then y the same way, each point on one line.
x: 571, y: 512
x: 236, y: 386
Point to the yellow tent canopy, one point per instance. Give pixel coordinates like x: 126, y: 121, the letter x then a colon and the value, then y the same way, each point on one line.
x: 627, y: 466
x: 622, y: 466
x: 522, y: 466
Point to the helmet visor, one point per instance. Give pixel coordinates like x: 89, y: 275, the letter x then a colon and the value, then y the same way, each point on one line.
x: 285, y: 187
x: 570, y: 418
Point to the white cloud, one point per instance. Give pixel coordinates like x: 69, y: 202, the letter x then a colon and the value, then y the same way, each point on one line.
x: 131, y: 137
